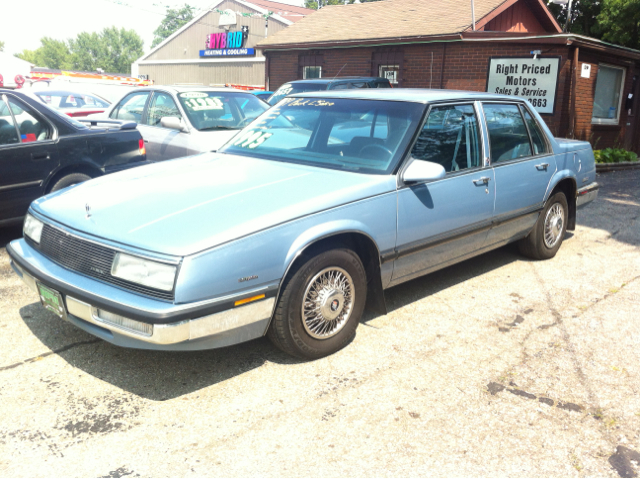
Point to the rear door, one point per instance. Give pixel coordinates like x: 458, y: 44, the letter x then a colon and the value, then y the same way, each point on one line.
x: 442, y: 221
x: 163, y: 143
x: 28, y: 154
x: 523, y: 162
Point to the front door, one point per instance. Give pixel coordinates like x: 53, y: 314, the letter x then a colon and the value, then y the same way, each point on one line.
x: 28, y: 154
x: 442, y: 221
x: 162, y: 143
x: 523, y: 163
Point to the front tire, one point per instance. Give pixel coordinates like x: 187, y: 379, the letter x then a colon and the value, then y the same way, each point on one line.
x: 547, y: 235
x: 69, y: 180
x: 320, y: 306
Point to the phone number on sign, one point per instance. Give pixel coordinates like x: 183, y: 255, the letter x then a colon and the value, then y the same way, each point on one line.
x: 538, y: 102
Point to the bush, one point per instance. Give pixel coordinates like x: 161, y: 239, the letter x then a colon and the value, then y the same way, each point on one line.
x: 614, y: 155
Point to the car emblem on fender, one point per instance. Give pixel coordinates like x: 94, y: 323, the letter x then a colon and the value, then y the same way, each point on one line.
x: 88, y: 210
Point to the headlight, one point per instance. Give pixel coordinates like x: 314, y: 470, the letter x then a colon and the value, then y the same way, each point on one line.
x: 143, y: 271
x: 33, y: 228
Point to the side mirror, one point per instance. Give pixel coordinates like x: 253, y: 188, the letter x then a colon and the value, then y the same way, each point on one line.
x: 419, y: 170
x: 173, y: 122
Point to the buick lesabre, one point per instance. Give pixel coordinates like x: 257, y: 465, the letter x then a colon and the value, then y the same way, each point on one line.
x: 303, y: 219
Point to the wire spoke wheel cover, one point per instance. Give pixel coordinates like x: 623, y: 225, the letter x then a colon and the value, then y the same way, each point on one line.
x: 553, y: 225
x: 328, y: 302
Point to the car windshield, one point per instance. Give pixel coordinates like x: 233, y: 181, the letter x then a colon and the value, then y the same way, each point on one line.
x: 215, y: 110
x: 367, y: 136
x: 59, y: 100
x: 291, y: 88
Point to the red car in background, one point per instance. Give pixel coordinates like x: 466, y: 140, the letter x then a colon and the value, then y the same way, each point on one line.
x: 73, y: 104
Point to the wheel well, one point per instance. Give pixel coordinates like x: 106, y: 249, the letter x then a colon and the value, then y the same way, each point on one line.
x: 368, y: 252
x: 568, y: 187
x: 67, y: 170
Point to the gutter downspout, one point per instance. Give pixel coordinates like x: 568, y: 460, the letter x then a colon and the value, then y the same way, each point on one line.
x: 574, y: 88
x: 444, y: 56
x: 267, y: 71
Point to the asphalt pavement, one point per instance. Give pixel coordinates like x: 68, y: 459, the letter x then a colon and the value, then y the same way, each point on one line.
x: 498, y: 366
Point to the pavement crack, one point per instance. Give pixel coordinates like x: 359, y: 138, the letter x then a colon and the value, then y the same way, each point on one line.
x: 49, y: 353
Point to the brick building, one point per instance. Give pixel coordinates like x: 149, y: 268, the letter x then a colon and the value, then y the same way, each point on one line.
x: 582, y: 87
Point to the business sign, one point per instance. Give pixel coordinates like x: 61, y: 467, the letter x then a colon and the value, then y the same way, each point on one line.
x: 227, y: 44
x: 533, y: 79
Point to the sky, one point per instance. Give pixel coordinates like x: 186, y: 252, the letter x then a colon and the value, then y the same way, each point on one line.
x: 63, y: 19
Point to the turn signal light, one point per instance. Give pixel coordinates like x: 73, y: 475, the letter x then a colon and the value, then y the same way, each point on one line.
x: 248, y: 300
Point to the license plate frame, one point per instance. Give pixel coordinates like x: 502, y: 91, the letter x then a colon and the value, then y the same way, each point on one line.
x: 52, y: 300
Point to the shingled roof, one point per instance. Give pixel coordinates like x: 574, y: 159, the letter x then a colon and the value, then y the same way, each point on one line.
x: 393, y: 19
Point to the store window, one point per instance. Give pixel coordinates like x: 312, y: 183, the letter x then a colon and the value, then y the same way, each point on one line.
x: 608, y: 96
x: 311, y: 72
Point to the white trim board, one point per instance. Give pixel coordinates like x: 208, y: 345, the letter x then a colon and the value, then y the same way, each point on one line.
x: 203, y: 60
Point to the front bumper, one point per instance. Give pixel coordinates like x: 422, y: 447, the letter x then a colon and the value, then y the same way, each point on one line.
x: 587, y: 194
x: 102, y: 318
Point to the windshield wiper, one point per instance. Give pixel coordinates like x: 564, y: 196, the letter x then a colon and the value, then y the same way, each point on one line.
x: 220, y: 127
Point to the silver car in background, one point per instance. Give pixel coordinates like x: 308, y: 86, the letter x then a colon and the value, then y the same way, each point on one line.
x: 179, y: 121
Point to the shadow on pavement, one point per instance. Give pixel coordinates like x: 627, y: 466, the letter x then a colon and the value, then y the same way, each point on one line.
x: 617, y: 208
x: 9, y: 233
x: 154, y: 375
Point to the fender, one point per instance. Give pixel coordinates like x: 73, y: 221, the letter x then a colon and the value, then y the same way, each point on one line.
x: 557, y: 178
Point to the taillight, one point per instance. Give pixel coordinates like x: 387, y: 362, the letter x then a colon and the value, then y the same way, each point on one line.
x: 143, y: 150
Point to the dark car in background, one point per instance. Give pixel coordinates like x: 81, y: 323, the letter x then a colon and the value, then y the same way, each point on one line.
x: 319, y: 84
x: 43, y: 150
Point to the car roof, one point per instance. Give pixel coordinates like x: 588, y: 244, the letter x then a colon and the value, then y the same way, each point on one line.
x: 62, y: 92
x: 180, y: 88
x: 331, y: 80
x: 416, y: 95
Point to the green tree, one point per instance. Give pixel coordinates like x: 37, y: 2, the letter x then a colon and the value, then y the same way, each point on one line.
x: 314, y: 4
x: 117, y: 49
x: 619, y: 22
x: 1, y: 46
x: 51, y: 54
x: 584, y: 15
x: 30, y: 56
x: 173, y: 21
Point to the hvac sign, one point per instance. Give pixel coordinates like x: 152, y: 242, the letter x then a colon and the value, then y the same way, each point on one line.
x: 535, y: 79
x: 227, y: 44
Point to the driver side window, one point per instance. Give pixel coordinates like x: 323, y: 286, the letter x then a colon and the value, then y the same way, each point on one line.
x: 450, y: 137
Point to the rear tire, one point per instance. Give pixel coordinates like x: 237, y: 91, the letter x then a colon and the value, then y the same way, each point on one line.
x: 320, y: 306
x: 545, y: 239
x: 69, y: 180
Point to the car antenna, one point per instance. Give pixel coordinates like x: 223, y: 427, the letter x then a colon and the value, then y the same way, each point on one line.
x: 338, y: 73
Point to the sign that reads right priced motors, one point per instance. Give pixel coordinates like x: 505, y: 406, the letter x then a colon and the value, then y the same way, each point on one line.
x: 533, y: 79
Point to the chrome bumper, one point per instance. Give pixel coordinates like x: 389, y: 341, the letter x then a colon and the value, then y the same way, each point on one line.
x: 224, y: 328
x: 587, y: 194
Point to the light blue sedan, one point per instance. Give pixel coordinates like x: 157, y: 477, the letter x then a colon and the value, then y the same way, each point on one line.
x: 303, y: 219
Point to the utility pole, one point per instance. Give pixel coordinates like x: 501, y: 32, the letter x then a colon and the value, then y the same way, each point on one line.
x: 473, y: 16
x: 566, y: 24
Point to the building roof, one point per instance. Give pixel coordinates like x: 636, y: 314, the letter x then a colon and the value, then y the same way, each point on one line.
x: 396, y: 20
x: 289, y: 12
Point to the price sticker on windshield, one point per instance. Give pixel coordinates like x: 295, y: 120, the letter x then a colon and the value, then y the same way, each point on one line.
x: 199, y: 104
x: 252, y: 139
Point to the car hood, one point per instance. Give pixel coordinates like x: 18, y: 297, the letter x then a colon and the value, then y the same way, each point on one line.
x: 183, y: 206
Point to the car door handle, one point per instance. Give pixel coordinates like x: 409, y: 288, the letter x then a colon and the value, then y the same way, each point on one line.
x: 482, y: 181
x: 542, y: 166
x: 40, y: 156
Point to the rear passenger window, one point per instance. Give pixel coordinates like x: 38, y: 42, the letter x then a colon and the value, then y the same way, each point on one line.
x: 450, y: 138
x: 31, y: 127
x: 537, y: 137
x: 8, y: 132
x: 507, y: 133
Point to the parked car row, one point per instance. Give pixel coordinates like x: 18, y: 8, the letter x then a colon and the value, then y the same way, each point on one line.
x: 301, y: 219
x: 43, y: 150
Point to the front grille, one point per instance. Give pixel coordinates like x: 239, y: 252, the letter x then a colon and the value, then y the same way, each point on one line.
x: 90, y: 259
